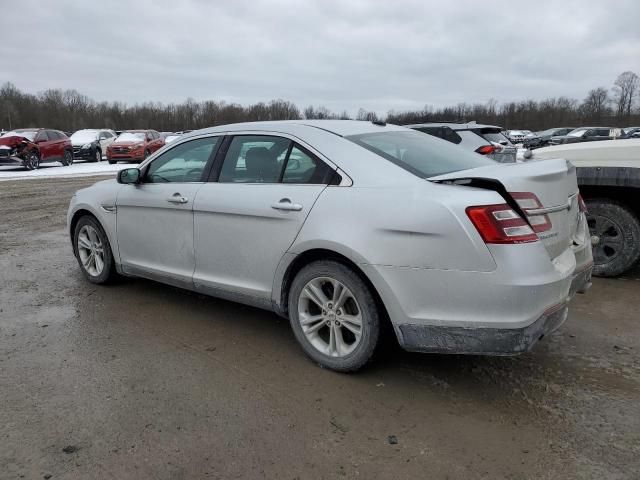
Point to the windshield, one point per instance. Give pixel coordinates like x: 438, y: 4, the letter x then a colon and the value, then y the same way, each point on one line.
x: 130, y: 137
x: 420, y: 154
x: 30, y: 134
x: 84, y: 136
x: 578, y: 132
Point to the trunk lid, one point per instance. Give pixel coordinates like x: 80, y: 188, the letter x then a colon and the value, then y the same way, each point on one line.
x: 554, y: 184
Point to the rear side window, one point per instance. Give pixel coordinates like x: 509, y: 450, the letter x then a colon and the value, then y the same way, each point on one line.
x: 420, y: 154
x: 303, y: 167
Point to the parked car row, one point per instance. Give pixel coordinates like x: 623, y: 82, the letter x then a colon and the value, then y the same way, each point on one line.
x: 31, y: 147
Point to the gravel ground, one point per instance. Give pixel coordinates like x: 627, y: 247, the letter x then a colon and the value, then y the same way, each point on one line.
x: 141, y: 380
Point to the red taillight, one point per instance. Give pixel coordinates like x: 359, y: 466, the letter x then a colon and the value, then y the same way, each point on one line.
x: 581, y: 205
x: 486, y: 149
x: 528, y: 201
x: 500, y: 224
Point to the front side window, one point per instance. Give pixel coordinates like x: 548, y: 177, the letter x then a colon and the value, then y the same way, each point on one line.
x: 418, y: 153
x: 184, y: 163
x: 42, y: 136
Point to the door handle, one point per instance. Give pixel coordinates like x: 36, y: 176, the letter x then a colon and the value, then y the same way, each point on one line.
x: 286, y: 205
x: 177, y: 198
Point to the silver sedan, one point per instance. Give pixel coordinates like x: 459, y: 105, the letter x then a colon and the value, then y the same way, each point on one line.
x: 342, y: 226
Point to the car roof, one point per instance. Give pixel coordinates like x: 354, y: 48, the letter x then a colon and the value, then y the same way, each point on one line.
x: 341, y: 128
x: 454, y: 125
x: 28, y: 129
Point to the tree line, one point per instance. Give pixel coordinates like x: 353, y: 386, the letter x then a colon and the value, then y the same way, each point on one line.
x: 69, y: 110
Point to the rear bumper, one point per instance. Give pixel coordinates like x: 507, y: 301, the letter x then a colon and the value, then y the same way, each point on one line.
x: 482, y: 341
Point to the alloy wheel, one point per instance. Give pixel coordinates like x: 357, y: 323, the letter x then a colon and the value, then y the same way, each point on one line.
x: 610, y: 238
x: 98, y: 156
x: 90, y: 250
x: 330, y: 317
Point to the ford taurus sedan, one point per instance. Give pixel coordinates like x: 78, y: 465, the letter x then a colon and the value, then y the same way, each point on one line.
x: 342, y: 226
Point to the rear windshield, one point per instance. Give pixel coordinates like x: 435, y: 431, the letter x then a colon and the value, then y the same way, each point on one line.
x: 493, y: 136
x: 420, y: 154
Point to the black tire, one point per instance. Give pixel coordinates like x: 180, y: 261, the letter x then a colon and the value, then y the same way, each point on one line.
x: 109, y: 272
x: 97, y: 156
x: 366, y: 302
x: 67, y: 158
x: 32, y: 161
x: 618, y: 231
x: 112, y: 162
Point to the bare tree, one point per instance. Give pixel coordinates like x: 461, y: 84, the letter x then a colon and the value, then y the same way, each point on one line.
x: 596, y: 105
x: 625, y: 89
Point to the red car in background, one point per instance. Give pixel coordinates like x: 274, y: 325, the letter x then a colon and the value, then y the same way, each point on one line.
x: 134, y: 146
x: 30, y: 147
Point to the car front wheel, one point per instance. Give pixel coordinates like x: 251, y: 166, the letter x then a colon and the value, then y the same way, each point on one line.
x: 334, y: 316
x: 93, y: 251
x: 98, y: 155
x: 32, y: 161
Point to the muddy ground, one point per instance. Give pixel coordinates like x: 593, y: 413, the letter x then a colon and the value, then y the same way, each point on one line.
x: 141, y: 380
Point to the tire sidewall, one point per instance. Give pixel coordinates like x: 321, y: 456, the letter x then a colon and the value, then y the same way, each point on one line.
x: 630, y: 228
x: 33, y: 161
x: 97, y: 156
x: 368, y: 307
x: 109, y: 265
x: 67, y: 158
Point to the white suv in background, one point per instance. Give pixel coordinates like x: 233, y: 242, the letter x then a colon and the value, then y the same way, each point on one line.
x: 486, y: 140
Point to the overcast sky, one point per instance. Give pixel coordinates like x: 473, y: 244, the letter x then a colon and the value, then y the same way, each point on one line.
x: 380, y: 55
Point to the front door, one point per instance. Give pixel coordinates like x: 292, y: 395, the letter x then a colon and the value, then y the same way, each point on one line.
x: 155, y: 217
x: 47, y: 147
x: 246, y: 221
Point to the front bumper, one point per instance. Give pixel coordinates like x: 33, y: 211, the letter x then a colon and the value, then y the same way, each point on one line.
x: 11, y: 160
x: 124, y: 157
x: 84, y: 154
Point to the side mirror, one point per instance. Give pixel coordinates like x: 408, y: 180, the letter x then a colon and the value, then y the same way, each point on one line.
x: 129, y: 176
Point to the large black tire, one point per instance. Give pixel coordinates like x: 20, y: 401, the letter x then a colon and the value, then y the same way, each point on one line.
x: 32, y: 161
x: 368, y: 310
x: 112, y: 162
x: 97, y: 155
x: 618, y: 232
x: 108, y: 273
x: 67, y: 158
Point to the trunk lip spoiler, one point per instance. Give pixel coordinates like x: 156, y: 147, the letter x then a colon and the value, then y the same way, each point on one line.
x: 557, y: 208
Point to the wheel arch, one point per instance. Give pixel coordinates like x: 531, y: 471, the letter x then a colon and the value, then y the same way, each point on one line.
x: 299, y: 261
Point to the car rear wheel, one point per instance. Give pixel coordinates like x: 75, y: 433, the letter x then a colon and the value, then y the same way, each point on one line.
x: 67, y: 158
x: 93, y: 251
x: 617, y: 229
x: 32, y: 161
x: 334, y: 316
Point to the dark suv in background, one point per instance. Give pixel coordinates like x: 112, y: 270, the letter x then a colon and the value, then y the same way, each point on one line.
x: 30, y: 147
x: 583, y: 134
x: 486, y: 140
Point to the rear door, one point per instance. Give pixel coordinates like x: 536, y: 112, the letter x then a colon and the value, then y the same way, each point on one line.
x: 246, y: 221
x: 546, y: 190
